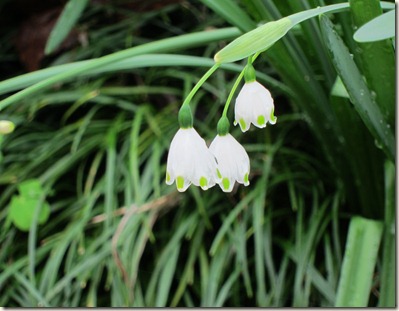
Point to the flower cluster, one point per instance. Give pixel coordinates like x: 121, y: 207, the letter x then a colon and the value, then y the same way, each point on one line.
x: 225, y: 162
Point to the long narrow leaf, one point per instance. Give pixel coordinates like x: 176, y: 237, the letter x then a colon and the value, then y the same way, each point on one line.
x: 164, y: 45
x: 357, y: 89
x: 232, y: 13
x: 388, y: 284
x: 68, y: 19
x: 359, y: 262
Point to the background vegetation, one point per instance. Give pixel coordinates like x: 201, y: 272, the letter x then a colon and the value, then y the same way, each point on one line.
x: 86, y: 217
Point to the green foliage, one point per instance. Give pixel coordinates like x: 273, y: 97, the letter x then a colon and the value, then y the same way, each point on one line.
x: 358, y: 266
x: 82, y: 176
x: 358, y: 91
x: 25, y: 207
x: 71, y: 13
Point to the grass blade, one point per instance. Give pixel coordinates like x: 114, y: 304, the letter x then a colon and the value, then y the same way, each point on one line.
x: 230, y: 11
x: 357, y: 89
x: 377, y: 58
x: 388, y: 286
x: 164, y: 45
x: 359, y: 262
x: 68, y: 19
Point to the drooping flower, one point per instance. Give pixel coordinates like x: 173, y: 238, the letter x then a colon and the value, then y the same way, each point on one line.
x: 233, y: 161
x: 190, y: 161
x: 254, y: 104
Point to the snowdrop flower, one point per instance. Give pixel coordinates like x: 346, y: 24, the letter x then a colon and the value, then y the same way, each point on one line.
x: 190, y: 161
x: 232, y: 159
x: 254, y: 103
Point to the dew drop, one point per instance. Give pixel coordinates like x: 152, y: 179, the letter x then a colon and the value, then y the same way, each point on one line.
x: 377, y: 144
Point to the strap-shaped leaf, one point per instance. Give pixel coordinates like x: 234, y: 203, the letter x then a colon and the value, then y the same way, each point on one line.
x: 160, y: 46
x: 358, y: 91
x: 65, y: 23
x: 360, y: 257
x: 263, y: 37
x: 232, y: 13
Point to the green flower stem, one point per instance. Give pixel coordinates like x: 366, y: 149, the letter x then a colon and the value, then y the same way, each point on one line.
x: 227, y: 104
x: 199, y: 83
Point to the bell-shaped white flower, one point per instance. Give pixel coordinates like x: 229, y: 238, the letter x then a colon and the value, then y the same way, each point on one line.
x: 254, y: 104
x: 190, y: 161
x: 233, y: 161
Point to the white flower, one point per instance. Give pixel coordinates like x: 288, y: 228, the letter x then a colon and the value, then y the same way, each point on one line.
x: 190, y: 161
x: 254, y: 104
x: 233, y: 161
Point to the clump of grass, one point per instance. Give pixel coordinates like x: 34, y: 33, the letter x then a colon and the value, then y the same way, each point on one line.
x: 118, y: 236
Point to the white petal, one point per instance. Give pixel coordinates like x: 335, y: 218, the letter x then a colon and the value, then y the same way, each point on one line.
x: 190, y: 161
x: 241, y: 108
x: 254, y: 104
x: 233, y: 161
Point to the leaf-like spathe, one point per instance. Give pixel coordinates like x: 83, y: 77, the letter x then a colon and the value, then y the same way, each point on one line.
x: 254, y: 41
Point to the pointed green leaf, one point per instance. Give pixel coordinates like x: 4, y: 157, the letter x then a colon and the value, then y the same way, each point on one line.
x: 360, y: 257
x: 65, y: 23
x: 357, y: 89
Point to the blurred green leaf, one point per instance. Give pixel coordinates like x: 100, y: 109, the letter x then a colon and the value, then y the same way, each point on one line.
x: 30, y: 189
x: 388, y: 285
x: 232, y: 13
x: 22, y: 209
x: 164, y: 45
x: 69, y: 16
x: 360, y: 257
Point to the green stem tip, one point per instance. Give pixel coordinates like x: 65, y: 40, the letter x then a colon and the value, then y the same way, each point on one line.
x: 249, y: 72
x: 223, y: 126
x: 185, y: 117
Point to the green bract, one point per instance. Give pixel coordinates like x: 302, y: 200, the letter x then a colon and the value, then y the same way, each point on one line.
x: 223, y: 126
x: 185, y: 117
x: 254, y: 41
x: 249, y: 73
